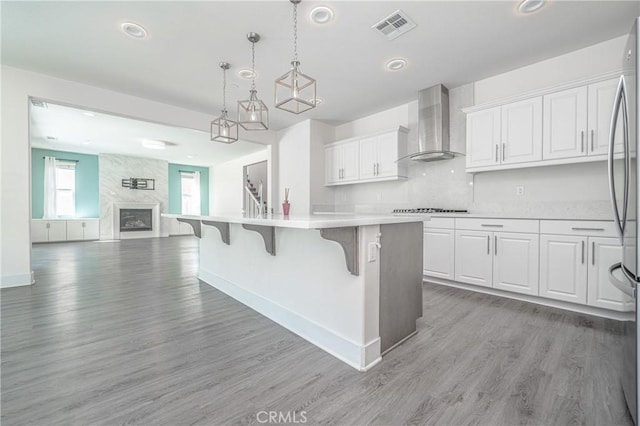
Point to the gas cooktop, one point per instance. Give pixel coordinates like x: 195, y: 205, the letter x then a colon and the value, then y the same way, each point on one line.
x: 426, y: 210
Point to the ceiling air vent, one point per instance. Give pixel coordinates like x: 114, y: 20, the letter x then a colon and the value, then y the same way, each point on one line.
x: 38, y: 103
x: 394, y: 25
x: 51, y: 138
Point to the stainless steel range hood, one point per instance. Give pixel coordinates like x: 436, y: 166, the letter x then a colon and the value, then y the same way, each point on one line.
x: 433, y: 125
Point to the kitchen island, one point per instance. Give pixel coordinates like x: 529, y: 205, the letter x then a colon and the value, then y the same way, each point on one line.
x: 349, y: 284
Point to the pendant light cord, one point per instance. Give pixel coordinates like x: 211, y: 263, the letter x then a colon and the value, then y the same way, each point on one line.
x: 224, y: 89
x: 295, y: 32
x: 253, y: 65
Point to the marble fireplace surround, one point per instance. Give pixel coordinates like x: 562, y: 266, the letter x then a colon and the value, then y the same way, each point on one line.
x: 155, y: 218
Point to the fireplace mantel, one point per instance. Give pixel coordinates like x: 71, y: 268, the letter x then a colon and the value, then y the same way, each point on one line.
x: 155, y: 215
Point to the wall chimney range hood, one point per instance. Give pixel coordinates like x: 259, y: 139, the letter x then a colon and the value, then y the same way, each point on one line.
x: 433, y: 125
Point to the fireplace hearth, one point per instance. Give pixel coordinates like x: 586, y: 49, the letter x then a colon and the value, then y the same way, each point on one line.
x: 136, y: 220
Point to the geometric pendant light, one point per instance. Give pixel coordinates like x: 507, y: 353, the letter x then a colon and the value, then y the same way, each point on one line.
x: 295, y: 92
x: 223, y: 129
x: 253, y: 114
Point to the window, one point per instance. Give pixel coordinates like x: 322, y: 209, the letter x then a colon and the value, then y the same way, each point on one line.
x: 65, y: 188
x: 190, y: 183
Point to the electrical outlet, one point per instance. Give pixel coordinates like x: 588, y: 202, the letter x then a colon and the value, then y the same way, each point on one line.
x: 519, y: 190
x: 372, y: 252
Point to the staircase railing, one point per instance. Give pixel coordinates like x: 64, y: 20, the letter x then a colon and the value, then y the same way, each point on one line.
x: 256, y: 203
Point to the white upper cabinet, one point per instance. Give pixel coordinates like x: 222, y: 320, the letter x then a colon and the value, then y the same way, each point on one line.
x: 366, y: 159
x: 565, y: 124
x: 483, y: 138
x: 560, y: 127
x: 522, y: 131
x: 601, y: 97
x: 341, y: 162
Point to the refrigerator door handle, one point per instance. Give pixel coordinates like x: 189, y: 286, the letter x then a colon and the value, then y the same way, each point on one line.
x: 612, y: 135
x: 623, y: 286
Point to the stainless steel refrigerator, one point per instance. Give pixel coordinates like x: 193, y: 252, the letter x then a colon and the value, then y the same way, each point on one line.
x: 623, y: 185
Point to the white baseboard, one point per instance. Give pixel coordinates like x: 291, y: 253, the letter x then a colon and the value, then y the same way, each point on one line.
x: 7, y: 281
x: 583, y: 309
x: 360, y: 357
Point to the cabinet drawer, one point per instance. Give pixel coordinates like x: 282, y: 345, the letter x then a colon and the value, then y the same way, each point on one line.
x: 596, y: 228
x: 502, y: 225
x: 440, y: 222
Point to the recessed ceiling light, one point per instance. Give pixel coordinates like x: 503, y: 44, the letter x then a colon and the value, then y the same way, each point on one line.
x: 246, y: 74
x: 528, y: 6
x: 191, y: 156
x: 151, y: 144
x: 318, y: 101
x: 87, y: 142
x: 133, y: 30
x: 396, y: 64
x: 321, y: 15
x: 89, y: 114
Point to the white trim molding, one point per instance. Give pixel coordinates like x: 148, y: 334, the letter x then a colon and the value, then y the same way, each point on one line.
x: 360, y: 357
x: 7, y: 281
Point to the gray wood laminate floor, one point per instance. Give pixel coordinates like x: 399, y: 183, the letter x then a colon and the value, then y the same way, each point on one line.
x: 123, y: 333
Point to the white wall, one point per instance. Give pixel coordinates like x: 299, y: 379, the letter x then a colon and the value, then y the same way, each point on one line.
x: 294, y: 151
x: 17, y: 86
x: 226, y: 183
x: 321, y: 134
x: 598, y: 59
x: 113, y: 168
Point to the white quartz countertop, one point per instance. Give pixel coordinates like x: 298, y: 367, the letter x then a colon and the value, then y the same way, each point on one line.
x: 311, y: 221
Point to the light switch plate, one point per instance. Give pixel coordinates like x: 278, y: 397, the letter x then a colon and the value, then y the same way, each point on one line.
x: 372, y: 252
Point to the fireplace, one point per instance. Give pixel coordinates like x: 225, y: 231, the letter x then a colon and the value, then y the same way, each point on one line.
x: 136, y: 220
x: 128, y: 222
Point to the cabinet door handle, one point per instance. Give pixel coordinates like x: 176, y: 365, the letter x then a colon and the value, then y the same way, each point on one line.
x: 488, y: 225
x: 496, y: 153
x: 377, y: 168
x: 495, y: 245
x: 582, y: 141
x: 374, y: 169
x: 48, y: 225
x: 587, y: 229
x: 488, y: 244
x: 593, y: 252
x: 582, y: 252
x: 592, y: 139
x: 504, y: 145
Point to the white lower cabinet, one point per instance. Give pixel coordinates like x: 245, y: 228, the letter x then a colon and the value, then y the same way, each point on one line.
x: 604, y: 252
x: 555, y: 259
x: 79, y: 230
x: 474, y: 260
x: 515, y: 262
x: 43, y: 231
x: 439, y: 253
x: 563, y: 268
x: 576, y: 269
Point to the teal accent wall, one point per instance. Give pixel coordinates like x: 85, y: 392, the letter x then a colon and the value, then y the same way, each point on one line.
x: 175, y: 188
x: 87, y: 187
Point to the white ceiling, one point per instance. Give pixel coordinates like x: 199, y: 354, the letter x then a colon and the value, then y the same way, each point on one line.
x: 75, y: 131
x: 455, y: 42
